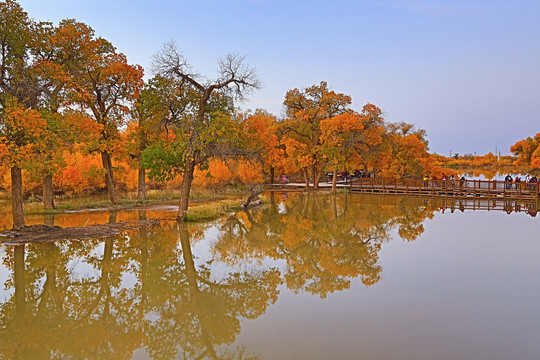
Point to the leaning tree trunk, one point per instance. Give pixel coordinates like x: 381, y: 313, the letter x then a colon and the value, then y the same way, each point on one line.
x: 17, y: 198
x: 48, y: 199
x: 141, y: 192
x: 185, y: 189
x: 109, y: 177
x: 255, y: 192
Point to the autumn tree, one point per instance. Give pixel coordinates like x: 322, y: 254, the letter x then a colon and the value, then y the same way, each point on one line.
x: 100, y: 81
x: 203, y: 126
x: 406, y: 151
x: 349, y: 134
x: 154, y: 104
x: 306, y: 109
x: 526, y: 150
x: 66, y: 125
x: 19, y: 94
x: 263, y: 134
x: 23, y: 134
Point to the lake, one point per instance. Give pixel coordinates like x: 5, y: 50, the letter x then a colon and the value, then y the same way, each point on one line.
x: 302, y: 277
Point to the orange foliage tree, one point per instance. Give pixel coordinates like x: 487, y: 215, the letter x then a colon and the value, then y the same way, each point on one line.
x: 20, y: 124
x: 527, y: 151
x: 67, y: 125
x: 306, y: 109
x: 23, y: 134
x: 263, y: 136
x: 103, y: 83
x: 349, y: 134
x: 406, y: 151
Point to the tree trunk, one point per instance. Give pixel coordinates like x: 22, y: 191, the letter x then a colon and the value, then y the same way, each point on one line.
x: 141, y: 188
x: 185, y: 189
x: 141, y: 193
x: 17, y: 198
x: 109, y: 177
x: 306, y: 178
x: 315, y: 174
x: 334, y: 179
x: 48, y: 195
x: 272, y: 174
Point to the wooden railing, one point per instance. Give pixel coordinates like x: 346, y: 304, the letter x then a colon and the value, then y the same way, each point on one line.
x: 448, y: 187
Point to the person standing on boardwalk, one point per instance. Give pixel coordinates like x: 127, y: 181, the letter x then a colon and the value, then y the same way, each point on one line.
x: 508, y: 179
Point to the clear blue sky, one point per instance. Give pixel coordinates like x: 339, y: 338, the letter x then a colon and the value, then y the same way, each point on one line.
x: 467, y: 71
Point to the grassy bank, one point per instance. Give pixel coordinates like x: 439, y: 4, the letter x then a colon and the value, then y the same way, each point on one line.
x: 213, y: 210
x: 208, y: 202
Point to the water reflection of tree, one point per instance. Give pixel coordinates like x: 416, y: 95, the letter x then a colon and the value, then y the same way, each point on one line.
x: 76, y: 300
x: 325, y: 240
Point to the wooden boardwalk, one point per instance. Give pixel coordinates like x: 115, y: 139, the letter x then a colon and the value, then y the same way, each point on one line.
x: 443, y: 188
x: 455, y: 188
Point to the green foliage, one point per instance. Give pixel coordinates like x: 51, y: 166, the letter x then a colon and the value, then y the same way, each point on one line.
x: 164, y: 160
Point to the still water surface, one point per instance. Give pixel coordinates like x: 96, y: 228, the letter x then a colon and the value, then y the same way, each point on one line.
x: 303, y: 277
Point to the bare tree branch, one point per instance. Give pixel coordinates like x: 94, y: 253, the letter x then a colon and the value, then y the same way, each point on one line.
x: 170, y: 62
x: 234, y: 77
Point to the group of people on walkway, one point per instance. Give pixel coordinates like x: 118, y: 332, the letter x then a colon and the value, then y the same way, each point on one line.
x: 450, y: 178
x: 347, y: 176
x: 509, y: 180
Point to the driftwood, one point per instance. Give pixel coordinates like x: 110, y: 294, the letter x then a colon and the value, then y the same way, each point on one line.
x: 45, y: 233
x: 253, y: 198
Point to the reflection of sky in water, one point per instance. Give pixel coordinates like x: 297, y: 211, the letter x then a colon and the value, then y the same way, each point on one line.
x: 202, y: 253
x: 4, y: 276
x: 466, y: 289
